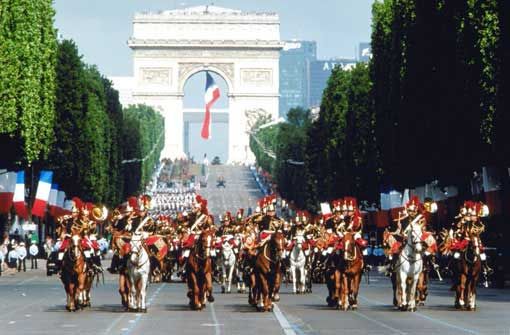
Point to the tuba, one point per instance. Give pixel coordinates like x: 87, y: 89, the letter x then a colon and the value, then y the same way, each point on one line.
x: 99, y: 213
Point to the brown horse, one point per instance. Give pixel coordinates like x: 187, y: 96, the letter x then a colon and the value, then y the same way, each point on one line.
x: 74, y: 274
x: 468, y: 268
x: 348, y: 273
x: 267, y: 271
x: 199, y: 271
x: 121, y: 245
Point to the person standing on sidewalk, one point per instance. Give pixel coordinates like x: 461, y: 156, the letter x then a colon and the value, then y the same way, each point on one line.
x: 22, y: 255
x: 34, y: 252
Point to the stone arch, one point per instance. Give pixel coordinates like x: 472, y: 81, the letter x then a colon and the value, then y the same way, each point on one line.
x: 186, y: 72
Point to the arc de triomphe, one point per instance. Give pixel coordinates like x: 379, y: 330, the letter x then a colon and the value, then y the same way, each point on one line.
x: 171, y: 46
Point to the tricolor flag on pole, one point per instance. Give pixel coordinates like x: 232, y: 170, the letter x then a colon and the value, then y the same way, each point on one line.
x: 61, y: 197
x: 7, y: 186
x: 52, y: 201
x: 43, y: 193
x: 19, y: 195
x: 212, y: 93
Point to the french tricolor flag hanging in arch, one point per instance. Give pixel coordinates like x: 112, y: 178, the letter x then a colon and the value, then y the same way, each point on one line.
x: 212, y: 94
x: 43, y: 193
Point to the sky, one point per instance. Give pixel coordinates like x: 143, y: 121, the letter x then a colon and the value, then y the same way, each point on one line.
x: 101, y: 28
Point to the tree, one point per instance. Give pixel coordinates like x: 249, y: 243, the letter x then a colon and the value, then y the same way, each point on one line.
x: 143, y: 141
x: 66, y: 156
x: 27, y: 80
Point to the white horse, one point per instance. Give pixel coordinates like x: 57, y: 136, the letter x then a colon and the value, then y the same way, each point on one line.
x: 410, y: 265
x: 138, y: 270
x: 298, y: 265
x: 229, y: 264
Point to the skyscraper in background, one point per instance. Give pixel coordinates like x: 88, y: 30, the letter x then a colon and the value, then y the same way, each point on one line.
x: 319, y: 73
x: 364, y: 52
x: 295, y: 61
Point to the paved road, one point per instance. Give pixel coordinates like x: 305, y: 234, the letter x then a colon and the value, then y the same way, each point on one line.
x: 241, y: 190
x: 31, y: 303
x: 34, y: 304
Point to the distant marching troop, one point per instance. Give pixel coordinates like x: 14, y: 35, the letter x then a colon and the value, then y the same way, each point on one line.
x: 255, y: 252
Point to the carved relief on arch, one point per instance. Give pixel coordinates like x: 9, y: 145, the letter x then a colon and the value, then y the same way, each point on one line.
x: 185, y: 69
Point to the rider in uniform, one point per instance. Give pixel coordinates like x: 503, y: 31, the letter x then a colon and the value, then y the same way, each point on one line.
x: 269, y: 223
x: 394, y: 236
x: 468, y: 227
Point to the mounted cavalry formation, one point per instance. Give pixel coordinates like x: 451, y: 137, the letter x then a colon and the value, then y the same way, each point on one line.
x: 259, y: 252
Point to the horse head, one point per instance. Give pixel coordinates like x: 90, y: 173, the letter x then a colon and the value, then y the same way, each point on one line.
x: 206, y: 242
x: 414, y: 232
x: 350, y: 251
x: 278, y: 244
x: 76, y: 249
x: 136, y: 247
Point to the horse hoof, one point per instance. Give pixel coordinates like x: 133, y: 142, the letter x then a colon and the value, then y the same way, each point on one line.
x: 276, y: 297
x: 143, y: 310
x: 210, y: 298
x: 222, y: 290
x: 412, y: 309
x: 402, y: 308
x: 354, y: 307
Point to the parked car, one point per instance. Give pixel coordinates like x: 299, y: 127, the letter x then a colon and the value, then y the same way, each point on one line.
x: 216, y: 161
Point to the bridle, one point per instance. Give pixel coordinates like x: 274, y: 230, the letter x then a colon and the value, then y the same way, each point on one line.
x: 347, y: 252
x: 276, y: 246
x: 136, y: 250
x: 200, y: 248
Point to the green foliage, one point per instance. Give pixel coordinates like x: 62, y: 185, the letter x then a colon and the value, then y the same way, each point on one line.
x: 435, y: 80
x: 143, y: 139
x: 263, y: 144
x: 27, y: 80
x: 290, y: 153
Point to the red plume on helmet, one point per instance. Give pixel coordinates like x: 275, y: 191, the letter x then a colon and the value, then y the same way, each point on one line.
x: 351, y: 203
x: 77, y: 205
x: 133, y: 203
x: 413, y: 203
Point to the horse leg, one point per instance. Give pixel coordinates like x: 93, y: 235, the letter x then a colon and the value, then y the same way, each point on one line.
x: 275, y: 294
x: 123, y: 290
x: 356, y: 280
x: 208, y: 286
x: 293, y: 274
x: 401, y: 291
x: 412, y: 294
x: 81, y: 289
x: 223, y: 278
x: 461, y: 292
x: 420, y: 287
x: 302, y: 276
x: 195, y: 292
x: 266, y: 299
x: 344, y: 291
x: 231, y: 274
x: 395, y: 288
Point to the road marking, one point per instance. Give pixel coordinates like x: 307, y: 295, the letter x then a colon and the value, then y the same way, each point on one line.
x: 217, y: 329
x: 382, y: 324
x: 282, y: 320
x: 26, y: 281
x: 12, y: 322
x: 138, y: 315
x: 444, y: 323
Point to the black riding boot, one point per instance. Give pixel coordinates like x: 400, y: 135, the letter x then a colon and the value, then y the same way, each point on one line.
x: 115, y: 264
